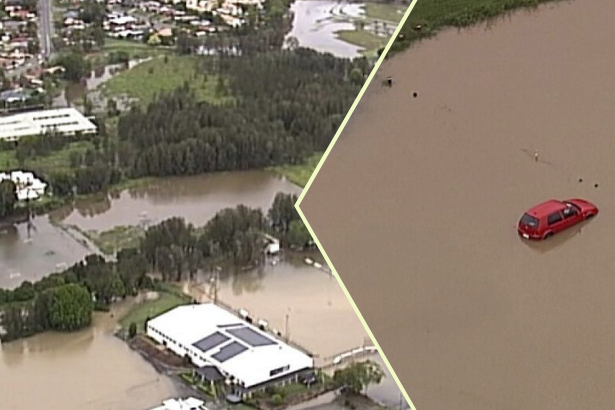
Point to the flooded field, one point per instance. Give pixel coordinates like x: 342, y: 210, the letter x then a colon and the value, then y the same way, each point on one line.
x: 89, y: 370
x: 320, y: 318
x: 418, y: 202
x: 316, y: 22
x: 47, y: 248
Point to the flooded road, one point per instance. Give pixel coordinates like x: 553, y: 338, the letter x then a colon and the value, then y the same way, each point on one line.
x: 417, y: 205
x: 320, y: 318
x: 48, y: 248
x: 89, y: 370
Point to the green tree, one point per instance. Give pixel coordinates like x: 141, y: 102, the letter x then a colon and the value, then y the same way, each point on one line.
x: 70, y: 308
x: 8, y: 197
x: 75, y: 65
x: 358, y: 376
x: 132, y: 330
x: 298, y: 234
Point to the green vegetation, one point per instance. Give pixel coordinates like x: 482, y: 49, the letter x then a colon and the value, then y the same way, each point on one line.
x: 356, y: 377
x: 121, y: 237
x: 382, y: 11
x: 163, y: 75
x: 362, y: 38
x: 147, y: 309
x: 434, y: 15
x: 54, y: 161
x: 300, y: 174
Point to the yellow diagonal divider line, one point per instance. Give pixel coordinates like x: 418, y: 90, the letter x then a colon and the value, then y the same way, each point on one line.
x: 307, y: 187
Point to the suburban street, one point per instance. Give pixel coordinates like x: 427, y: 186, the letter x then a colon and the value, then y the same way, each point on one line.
x: 46, y: 27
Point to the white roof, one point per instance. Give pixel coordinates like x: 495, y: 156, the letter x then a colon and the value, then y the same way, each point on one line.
x: 28, y: 187
x: 181, y: 404
x: 63, y: 120
x: 252, y: 354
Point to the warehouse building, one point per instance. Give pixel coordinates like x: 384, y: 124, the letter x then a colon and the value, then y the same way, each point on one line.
x: 224, y: 347
x: 66, y: 121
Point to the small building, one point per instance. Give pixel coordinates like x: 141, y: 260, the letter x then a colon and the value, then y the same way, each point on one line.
x: 67, y: 121
x: 246, y: 357
x: 28, y: 186
x: 182, y: 404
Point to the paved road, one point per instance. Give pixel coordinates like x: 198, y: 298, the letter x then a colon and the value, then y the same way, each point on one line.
x: 45, y: 27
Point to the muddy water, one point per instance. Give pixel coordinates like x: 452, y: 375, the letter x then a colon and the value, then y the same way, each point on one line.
x: 418, y: 201
x: 89, y: 370
x: 197, y: 199
x: 48, y: 248
x: 320, y: 318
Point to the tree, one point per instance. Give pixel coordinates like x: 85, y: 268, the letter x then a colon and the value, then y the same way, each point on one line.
x: 8, y: 197
x: 298, y: 234
x: 132, y: 330
x: 358, y: 376
x: 71, y: 308
x: 75, y: 65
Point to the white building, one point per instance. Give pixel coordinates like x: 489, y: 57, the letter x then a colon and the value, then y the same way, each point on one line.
x: 244, y: 355
x: 28, y: 186
x: 66, y: 121
x: 182, y: 404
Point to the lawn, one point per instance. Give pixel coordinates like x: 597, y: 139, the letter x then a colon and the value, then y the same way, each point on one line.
x: 55, y: 161
x: 434, y: 15
x: 149, y: 309
x: 388, y: 12
x: 162, y: 75
x: 362, y: 38
x: 300, y: 174
x: 121, y: 237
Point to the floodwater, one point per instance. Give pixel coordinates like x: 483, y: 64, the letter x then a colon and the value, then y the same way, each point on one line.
x: 320, y: 318
x: 88, y: 370
x: 417, y: 205
x: 50, y: 248
x: 195, y: 198
x: 317, y: 21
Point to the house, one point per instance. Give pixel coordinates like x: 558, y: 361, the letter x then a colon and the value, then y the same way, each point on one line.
x: 28, y: 186
x: 182, y: 404
x: 223, y: 346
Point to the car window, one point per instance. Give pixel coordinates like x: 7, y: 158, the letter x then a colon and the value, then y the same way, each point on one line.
x: 529, y: 220
x: 554, y: 218
x: 569, y: 212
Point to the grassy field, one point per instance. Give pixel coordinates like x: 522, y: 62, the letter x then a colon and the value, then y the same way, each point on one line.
x: 300, y: 174
x: 56, y: 161
x: 162, y: 75
x: 364, y: 39
x: 121, y: 237
x: 434, y: 15
x: 388, y: 12
x: 140, y: 312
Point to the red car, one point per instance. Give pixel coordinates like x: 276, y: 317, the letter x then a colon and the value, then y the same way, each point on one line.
x: 551, y: 217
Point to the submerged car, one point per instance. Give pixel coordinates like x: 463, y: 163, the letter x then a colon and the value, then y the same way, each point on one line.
x: 551, y: 217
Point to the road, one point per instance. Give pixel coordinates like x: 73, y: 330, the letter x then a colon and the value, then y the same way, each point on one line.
x: 45, y: 27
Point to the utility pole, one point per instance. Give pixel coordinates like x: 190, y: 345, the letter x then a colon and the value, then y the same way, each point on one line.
x: 216, y: 280
x: 287, y: 330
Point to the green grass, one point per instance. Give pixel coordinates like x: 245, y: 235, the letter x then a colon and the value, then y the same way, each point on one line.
x: 300, y: 174
x: 362, y: 38
x: 54, y: 162
x: 162, y: 75
x: 388, y: 12
x: 121, y: 237
x: 434, y: 15
x: 140, y: 312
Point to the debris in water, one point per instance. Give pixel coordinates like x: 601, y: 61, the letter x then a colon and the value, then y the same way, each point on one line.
x: 580, y: 180
x: 309, y: 261
x: 415, y: 94
x: 595, y: 185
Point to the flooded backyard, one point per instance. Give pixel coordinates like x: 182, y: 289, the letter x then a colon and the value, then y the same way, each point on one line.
x: 475, y: 318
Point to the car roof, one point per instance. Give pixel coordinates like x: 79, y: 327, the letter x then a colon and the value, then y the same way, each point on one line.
x: 546, y: 208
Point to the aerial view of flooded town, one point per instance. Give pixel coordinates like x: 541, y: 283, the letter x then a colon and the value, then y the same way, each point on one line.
x: 151, y: 154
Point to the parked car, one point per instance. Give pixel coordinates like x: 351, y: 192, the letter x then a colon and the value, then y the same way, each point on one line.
x: 550, y: 217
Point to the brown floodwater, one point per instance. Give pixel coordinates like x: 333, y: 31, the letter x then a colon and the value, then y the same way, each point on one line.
x: 48, y: 248
x: 195, y: 198
x: 320, y: 318
x: 417, y: 205
x: 88, y: 370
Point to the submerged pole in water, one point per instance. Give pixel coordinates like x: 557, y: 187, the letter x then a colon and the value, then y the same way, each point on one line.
x: 390, y: 81
x: 536, y: 155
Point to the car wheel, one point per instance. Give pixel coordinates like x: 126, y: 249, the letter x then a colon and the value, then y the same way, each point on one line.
x: 548, y: 235
x: 590, y: 216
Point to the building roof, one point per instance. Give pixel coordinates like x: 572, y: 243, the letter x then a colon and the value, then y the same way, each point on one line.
x: 64, y: 120
x: 236, y: 347
x: 181, y: 404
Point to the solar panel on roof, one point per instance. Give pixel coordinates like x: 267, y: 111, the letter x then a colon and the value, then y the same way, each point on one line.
x: 211, y: 341
x: 229, y: 351
x: 251, y: 337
